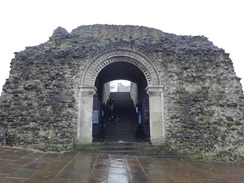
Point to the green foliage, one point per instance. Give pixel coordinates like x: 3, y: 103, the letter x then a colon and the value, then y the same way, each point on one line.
x: 65, y: 45
x: 155, y: 40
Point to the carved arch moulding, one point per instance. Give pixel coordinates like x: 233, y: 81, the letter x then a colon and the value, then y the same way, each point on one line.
x: 142, y: 62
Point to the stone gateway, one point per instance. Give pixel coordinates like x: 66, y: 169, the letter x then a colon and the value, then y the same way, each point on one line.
x: 186, y: 88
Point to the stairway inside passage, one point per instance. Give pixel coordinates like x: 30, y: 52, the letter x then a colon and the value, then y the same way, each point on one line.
x: 125, y: 111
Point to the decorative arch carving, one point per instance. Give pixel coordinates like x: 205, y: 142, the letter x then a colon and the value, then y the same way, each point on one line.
x: 129, y: 56
x: 87, y: 90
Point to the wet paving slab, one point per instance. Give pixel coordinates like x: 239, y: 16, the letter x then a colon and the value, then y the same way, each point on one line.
x: 20, y: 166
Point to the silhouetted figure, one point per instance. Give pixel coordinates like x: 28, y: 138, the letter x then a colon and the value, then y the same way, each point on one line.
x: 111, y: 108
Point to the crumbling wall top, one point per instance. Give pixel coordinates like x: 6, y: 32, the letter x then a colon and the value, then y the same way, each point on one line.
x: 116, y: 31
x: 60, y: 32
x: 139, y: 35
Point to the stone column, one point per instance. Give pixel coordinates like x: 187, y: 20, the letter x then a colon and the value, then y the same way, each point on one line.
x: 85, y: 109
x: 156, y: 114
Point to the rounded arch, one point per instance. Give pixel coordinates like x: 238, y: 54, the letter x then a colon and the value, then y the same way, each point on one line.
x: 129, y: 56
x: 121, y: 71
x: 87, y: 90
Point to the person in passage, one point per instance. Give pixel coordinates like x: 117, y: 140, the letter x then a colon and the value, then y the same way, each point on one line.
x: 111, y: 108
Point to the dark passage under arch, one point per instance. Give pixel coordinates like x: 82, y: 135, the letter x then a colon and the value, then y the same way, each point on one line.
x: 129, y: 127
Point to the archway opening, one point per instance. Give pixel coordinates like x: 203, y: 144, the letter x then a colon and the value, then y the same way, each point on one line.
x: 113, y: 65
x: 120, y: 86
x: 128, y: 119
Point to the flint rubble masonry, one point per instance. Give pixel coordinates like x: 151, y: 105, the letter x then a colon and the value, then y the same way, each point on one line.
x: 203, y: 98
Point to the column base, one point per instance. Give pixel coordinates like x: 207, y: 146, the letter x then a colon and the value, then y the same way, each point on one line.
x: 157, y: 141
x: 83, y: 141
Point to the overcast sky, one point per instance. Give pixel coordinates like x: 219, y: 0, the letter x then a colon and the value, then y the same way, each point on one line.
x: 31, y: 22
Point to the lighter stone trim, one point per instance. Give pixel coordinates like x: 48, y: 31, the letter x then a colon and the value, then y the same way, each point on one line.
x: 157, y: 120
x: 154, y: 89
x: 129, y: 56
x: 85, y: 106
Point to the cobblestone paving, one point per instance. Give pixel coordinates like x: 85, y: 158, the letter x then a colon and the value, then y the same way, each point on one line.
x: 20, y: 166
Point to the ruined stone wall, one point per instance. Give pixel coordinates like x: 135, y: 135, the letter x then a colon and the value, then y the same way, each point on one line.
x: 134, y: 92
x: 203, y: 102
x: 203, y: 99
x: 106, y: 92
x: 111, y: 32
x: 37, y: 105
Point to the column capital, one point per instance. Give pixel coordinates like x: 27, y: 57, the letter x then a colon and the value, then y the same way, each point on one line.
x: 88, y: 90
x: 154, y: 90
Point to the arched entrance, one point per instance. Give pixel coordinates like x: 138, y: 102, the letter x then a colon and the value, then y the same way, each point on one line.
x: 129, y: 119
x: 88, y: 89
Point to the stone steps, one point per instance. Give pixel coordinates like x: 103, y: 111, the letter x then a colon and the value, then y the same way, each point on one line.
x: 130, y: 148
x: 125, y: 111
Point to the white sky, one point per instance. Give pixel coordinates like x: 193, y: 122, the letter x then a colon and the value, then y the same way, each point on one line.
x: 31, y: 22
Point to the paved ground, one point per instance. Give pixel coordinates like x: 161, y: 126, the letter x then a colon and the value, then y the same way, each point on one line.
x: 19, y: 166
